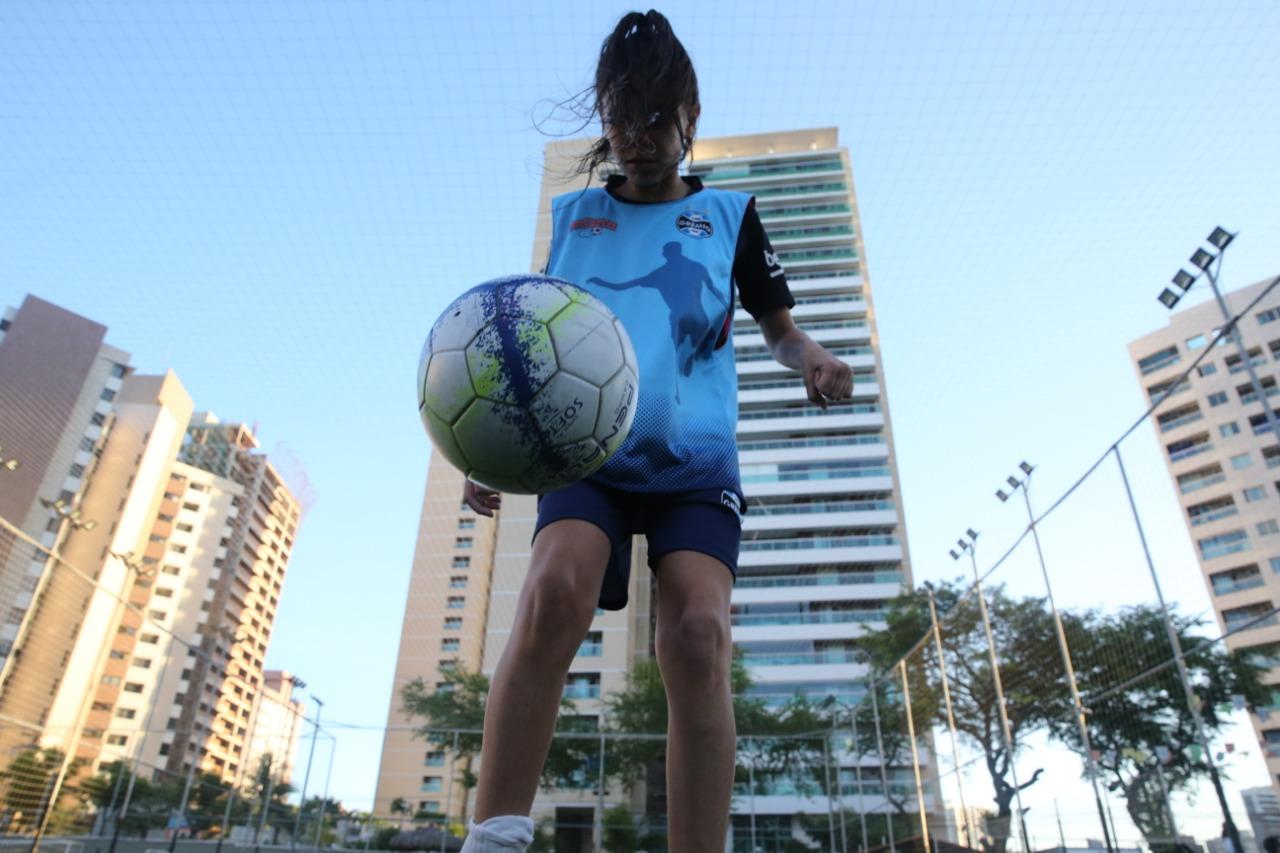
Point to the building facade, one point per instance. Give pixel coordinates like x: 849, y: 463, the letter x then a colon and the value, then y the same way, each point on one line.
x: 1222, y: 460
x: 824, y: 543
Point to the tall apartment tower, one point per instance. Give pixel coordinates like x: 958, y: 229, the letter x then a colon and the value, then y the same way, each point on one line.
x: 824, y: 541
x: 824, y: 544
x: 1222, y: 457
x: 277, y: 728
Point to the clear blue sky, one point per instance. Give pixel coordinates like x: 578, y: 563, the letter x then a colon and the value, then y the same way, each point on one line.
x: 275, y: 199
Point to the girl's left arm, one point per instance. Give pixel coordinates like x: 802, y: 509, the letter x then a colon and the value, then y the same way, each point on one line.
x: 825, y: 376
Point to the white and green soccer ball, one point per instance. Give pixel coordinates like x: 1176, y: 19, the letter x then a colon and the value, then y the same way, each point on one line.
x: 527, y: 384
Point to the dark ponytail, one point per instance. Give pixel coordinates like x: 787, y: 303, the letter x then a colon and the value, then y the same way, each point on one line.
x: 643, y: 70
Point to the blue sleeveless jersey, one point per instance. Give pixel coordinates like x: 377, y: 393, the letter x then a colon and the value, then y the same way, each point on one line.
x: 665, y: 269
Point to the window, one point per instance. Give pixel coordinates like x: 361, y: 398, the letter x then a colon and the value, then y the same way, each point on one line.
x: 1268, y: 316
x: 126, y: 713
x: 185, y: 528
x: 1217, y: 398
x: 462, y: 542
x: 1206, y: 369
x: 1157, y: 360
x: 432, y: 784
x: 77, y: 470
x: 149, y: 638
x: 449, y: 644
x: 466, y: 523
x: 116, y: 654
x: 453, y: 623
x: 132, y: 687
x: 1268, y: 527
x: 458, y: 582
x: 1241, y: 461
x: 107, y: 394
x: 1275, y: 564
x: 164, y: 748
x: 164, y: 593
x: 142, y: 663
x: 435, y: 759
x: 117, y: 740
x: 98, y: 419
x: 4, y: 325
x: 1196, y: 342
x: 111, y: 680
x: 118, y: 371
x: 86, y: 444
x: 1255, y: 494
x: 582, y: 685
x: 592, y: 645
x: 1229, y: 429
x: 127, y: 630
x: 1223, y: 544
x: 461, y: 562
x: 171, y: 570
x: 456, y: 602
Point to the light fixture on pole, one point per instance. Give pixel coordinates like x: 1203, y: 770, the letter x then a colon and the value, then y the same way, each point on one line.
x: 1091, y: 769
x: 1203, y: 260
x: 1006, y: 731
x: 7, y: 463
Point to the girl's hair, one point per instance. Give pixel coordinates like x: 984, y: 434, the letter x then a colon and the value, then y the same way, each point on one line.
x: 644, y: 71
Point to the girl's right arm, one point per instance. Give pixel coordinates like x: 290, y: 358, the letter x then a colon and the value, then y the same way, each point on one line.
x: 480, y: 499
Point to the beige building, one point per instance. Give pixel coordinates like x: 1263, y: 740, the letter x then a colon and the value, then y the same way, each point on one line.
x: 1222, y: 457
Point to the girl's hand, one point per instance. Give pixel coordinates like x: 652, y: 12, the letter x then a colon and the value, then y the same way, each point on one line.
x: 482, y: 500
x: 825, y: 376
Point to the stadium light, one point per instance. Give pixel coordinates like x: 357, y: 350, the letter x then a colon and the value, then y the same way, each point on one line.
x: 1184, y: 279
x: 1202, y: 259
x: 9, y: 464
x: 1221, y: 237
x: 1000, y: 493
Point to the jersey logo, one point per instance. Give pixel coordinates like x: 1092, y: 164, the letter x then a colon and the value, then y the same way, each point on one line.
x: 771, y: 261
x: 592, y: 226
x: 694, y: 223
x: 729, y: 499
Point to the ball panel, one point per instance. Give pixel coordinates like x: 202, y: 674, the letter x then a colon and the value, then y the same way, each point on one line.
x: 511, y: 359
x: 447, y: 390
x: 565, y: 409
x: 498, y: 438
x: 499, y: 482
x: 617, y: 409
x: 539, y: 300
x: 443, y: 440
x: 461, y: 321
x: 586, y: 343
x: 570, y: 463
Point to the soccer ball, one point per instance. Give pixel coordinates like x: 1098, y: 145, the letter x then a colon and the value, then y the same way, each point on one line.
x: 527, y: 384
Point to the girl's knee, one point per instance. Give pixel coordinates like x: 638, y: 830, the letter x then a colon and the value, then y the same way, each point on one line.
x: 697, y: 645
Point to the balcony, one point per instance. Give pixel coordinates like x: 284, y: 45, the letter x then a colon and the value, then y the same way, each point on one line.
x: 759, y: 520
x: 846, y: 331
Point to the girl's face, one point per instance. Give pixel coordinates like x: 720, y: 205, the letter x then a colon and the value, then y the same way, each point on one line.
x: 653, y: 159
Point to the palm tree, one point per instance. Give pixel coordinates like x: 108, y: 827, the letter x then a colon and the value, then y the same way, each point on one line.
x: 401, y: 807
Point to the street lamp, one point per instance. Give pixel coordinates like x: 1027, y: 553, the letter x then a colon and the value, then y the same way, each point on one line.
x: 1203, y: 260
x: 1024, y: 485
x: 970, y: 545
x: 9, y: 463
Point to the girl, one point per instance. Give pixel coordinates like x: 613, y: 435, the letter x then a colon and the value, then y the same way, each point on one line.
x: 666, y: 254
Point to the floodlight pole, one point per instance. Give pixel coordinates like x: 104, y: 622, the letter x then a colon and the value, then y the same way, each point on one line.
x: 1193, y: 701
x: 1091, y: 766
x: 1238, y: 339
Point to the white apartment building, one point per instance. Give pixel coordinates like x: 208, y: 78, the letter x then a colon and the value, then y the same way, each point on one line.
x: 1222, y: 459
x: 824, y: 544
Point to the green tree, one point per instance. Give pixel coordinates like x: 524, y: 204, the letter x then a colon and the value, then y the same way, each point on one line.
x: 620, y: 834
x: 30, y: 778
x: 459, y: 706
x: 1140, y: 724
x: 1033, y: 677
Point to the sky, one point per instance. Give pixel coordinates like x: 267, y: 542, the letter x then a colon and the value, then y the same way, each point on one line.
x: 276, y: 199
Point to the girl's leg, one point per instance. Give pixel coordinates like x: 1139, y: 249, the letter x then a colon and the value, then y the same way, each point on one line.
x: 554, y: 611
x: 694, y: 653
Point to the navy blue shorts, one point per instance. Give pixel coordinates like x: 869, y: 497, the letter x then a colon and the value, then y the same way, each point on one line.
x: 708, y: 521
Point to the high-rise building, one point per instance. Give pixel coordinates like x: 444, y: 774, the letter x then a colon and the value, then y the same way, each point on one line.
x: 1221, y: 456
x: 278, y: 726
x: 1263, y: 808
x: 824, y: 543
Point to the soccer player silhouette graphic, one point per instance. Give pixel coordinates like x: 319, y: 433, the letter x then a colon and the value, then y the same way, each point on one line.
x: 681, y: 281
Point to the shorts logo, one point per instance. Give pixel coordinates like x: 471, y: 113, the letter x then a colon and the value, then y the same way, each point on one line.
x: 592, y: 227
x: 730, y: 500
x: 694, y: 223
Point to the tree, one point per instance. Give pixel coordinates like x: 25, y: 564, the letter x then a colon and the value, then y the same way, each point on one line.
x: 400, y: 806
x: 620, y: 834
x: 1031, y: 670
x: 459, y: 707
x: 30, y: 779
x: 1139, y: 722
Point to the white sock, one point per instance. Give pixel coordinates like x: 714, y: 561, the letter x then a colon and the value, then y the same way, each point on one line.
x: 499, y: 835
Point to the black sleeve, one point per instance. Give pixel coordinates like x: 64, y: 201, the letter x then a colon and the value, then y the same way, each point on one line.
x: 761, y: 280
